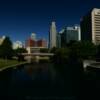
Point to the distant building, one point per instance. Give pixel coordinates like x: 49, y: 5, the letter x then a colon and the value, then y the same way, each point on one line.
x: 90, y: 26
x: 17, y: 44
x: 53, y: 35
x: 33, y: 36
x: 30, y: 43
x: 58, y: 40
x: 42, y: 43
x: 70, y: 33
x: 73, y: 33
x: 2, y: 39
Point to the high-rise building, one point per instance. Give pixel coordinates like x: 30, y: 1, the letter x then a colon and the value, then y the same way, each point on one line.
x: 58, y: 40
x: 90, y: 26
x: 73, y: 33
x: 70, y: 33
x: 17, y: 44
x: 53, y: 35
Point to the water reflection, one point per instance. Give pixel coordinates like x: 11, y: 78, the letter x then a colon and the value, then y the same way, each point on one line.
x: 28, y: 80
x: 34, y: 80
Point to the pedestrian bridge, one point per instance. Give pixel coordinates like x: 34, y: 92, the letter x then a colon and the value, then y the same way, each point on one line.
x: 30, y: 57
x: 37, y: 54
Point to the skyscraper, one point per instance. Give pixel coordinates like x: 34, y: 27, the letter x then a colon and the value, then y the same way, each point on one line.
x: 53, y: 35
x: 90, y: 26
x: 70, y: 33
x: 73, y: 33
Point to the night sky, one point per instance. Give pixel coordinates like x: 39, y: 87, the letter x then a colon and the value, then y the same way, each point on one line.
x: 19, y: 18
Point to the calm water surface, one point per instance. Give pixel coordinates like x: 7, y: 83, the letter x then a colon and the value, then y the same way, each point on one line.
x: 32, y: 80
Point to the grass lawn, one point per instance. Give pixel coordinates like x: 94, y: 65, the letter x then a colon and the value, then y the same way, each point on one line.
x: 5, y: 63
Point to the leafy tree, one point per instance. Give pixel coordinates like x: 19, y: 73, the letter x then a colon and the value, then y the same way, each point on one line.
x: 53, y: 50
x: 84, y: 49
x: 60, y: 58
x: 69, y: 67
x: 44, y: 50
x: 18, y: 53
x: 98, y: 53
x: 6, y: 50
x: 20, y: 50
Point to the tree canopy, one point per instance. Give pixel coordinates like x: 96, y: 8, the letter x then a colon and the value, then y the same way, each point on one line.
x: 6, y: 50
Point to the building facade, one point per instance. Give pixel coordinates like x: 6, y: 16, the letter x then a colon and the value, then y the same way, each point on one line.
x: 58, y: 40
x: 17, y: 44
x: 33, y: 36
x: 53, y: 35
x: 30, y: 43
x: 42, y: 43
x: 73, y: 33
x: 70, y: 33
x: 90, y: 26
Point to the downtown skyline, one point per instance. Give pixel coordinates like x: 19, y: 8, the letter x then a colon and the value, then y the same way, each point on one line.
x: 18, y: 19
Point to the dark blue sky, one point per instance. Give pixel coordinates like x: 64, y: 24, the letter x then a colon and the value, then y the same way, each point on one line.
x: 19, y: 18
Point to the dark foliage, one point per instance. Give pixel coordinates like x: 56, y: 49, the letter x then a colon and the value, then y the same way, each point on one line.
x: 6, y: 50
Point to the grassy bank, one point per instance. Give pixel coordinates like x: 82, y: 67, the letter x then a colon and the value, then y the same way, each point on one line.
x: 7, y: 63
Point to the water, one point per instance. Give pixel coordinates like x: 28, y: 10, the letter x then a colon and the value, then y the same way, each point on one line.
x: 35, y: 81
x: 32, y: 81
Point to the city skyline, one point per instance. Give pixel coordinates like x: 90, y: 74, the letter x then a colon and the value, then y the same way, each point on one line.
x: 21, y: 18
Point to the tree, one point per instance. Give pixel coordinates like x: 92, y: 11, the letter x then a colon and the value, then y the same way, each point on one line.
x: 44, y: 50
x: 98, y: 53
x: 60, y: 58
x: 6, y: 50
x: 18, y: 53
x: 20, y: 50
x: 69, y: 67
x: 84, y: 49
x: 53, y: 50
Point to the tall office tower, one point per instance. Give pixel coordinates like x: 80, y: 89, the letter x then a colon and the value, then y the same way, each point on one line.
x: 90, y: 26
x: 73, y: 33
x: 53, y: 35
x: 33, y: 36
x: 70, y: 33
x: 58, y: 40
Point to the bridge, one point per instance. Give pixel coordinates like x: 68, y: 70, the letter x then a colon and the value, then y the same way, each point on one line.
x: 34, y: 54
x: 37, y: 54
x: 30, y: 57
